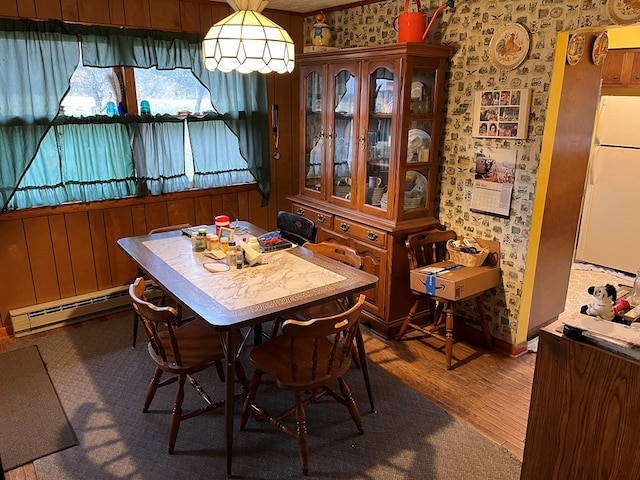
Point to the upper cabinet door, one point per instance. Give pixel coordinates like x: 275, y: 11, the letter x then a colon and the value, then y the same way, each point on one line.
x: 380, y: 138
x: 314, y: 92
x: 342, y: 133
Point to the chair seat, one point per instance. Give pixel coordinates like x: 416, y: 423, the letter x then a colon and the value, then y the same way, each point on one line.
x: 274, y: 357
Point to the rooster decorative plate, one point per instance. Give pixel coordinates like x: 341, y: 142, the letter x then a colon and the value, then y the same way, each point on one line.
x: 623, y: 12
x: 509, y: 46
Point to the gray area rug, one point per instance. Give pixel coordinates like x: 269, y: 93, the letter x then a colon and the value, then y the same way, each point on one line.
x: 101, y: 382
x: 32, y: 422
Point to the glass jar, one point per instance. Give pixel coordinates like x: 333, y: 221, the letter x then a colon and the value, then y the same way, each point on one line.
x: 199, y: 241
x: 231, y: 254
x: 224, y: 244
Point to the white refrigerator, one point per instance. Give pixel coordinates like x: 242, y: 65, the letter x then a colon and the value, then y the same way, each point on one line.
x: 609, y: 233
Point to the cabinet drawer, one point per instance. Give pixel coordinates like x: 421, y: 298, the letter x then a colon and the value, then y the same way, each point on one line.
x: 321, y: 218
x: 362, y: 232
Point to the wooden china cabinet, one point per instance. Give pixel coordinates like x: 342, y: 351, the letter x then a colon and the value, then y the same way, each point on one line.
x: 371, y: 125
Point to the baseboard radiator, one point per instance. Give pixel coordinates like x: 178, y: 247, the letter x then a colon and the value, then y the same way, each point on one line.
x: 45, y: 316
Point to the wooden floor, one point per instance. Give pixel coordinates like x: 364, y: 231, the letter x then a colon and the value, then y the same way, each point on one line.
x: 484, y: 389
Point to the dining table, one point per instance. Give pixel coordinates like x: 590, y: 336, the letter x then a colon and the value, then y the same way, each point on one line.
x: 285, y: 281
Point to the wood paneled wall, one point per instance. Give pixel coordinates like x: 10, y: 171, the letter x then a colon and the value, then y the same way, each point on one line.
x: 51, y: 253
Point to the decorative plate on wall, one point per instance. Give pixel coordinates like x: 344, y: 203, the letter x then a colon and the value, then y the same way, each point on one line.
x: 600, y: 48
x: 509, y: 46
x: 623, y: 12
x: 575, y: 50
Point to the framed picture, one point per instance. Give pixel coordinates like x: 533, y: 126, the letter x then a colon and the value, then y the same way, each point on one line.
x: 501, y: 113
x: 227, y: 233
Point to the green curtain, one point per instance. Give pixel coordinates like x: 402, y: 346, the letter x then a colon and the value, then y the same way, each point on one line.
x: 110, y: 172
x: 156, y: 146
x: 36, y: 62
x: 215, y: 170
x: 240, y: 99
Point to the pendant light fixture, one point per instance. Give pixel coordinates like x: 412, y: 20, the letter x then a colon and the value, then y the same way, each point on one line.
x: 247, y: 41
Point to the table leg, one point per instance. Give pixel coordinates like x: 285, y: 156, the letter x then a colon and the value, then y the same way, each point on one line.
x: 362, y: 356
x: 228, y: 407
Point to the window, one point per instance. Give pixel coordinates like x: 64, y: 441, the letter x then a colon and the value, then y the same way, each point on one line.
x: 158, y: 153
x: 65, y: 140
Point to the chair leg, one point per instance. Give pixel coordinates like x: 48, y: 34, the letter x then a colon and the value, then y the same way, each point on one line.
x: 351, y: 404
x: 449, y: 334
x: 135, y: 329
x: 250, y: 398
x: 301, y: 433
x: 408, y: 320
x: 151, y: 389
x: 483, y: 321
x: 176, y: 414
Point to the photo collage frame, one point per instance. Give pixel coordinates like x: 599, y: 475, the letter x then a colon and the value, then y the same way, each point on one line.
x: 501, y: 113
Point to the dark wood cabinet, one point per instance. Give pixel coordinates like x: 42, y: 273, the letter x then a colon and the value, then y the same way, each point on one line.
x: 621, y: 69
x: 370, y: 132
x: 583, y: 418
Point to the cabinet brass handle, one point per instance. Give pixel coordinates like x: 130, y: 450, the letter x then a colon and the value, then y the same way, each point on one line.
x: 372, y: 236
x: 300, y: 211
x: 345, y: 227
x: 362, y: 138
x: 322, y: 219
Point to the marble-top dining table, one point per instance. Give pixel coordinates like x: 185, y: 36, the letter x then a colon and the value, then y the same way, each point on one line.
x: 286, y: 281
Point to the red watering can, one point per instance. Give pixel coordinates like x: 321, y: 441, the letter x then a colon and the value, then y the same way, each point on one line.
x: 412, y: 26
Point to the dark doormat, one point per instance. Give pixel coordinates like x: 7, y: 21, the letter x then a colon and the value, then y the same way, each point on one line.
x: 32, y: 421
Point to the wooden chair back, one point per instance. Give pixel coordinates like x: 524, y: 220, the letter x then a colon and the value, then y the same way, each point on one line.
x: 296, y: 228
x: 169, y: 228
x: 158, y: 324
x: 336, y: 251
x: 425, y: 248
x: 320, y: 348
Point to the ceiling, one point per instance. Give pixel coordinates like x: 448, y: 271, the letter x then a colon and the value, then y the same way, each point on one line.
x: 301, y: 6
x: 310, y: 6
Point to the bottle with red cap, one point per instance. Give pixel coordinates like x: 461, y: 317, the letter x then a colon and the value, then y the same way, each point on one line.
x: 221, y: 221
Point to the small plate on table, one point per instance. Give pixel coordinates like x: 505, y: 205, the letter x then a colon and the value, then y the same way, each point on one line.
x: 216, y: 267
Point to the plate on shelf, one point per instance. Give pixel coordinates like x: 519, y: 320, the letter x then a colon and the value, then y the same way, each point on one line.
x: 509, y: 46
x: 418, y: 140
x: 600, y: 48
x: 623, y: 12
x: 415, y: 190
x: 575, y: 50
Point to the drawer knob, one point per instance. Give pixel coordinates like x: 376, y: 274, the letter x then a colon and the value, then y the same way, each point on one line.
x: 322, y: 219
x: 300, y: 211
x: 372, y: 236
x: 344, y: 227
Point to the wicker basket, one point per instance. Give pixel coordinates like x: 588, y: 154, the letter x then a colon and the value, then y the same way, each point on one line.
x: 466, y: 259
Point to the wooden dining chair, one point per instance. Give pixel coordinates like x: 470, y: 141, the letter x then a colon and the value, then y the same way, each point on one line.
x: 180, y: 351
x: 152, y: 286
x: 296, y: 228
x: 306, y: 359
x: 348, y: 256
x: 425, y: 248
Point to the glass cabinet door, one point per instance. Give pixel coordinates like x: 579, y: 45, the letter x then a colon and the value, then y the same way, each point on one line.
x: 314, y: 130
x: 343, y: 132
x: 379, y: 127
x: 421, y: 161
